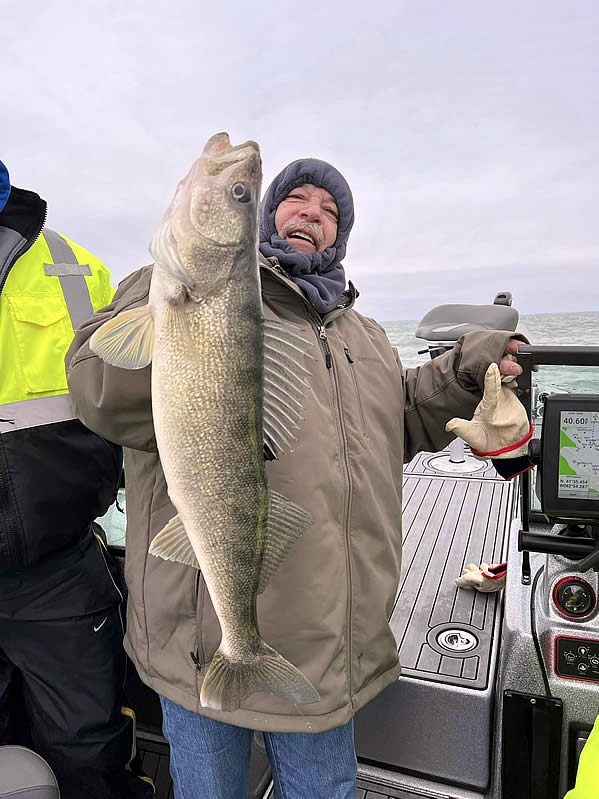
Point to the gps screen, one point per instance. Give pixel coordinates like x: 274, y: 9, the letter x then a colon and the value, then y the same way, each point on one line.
x: 578, y: 473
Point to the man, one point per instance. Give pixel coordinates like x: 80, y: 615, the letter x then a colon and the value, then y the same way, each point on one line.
x: 326, y: 609
x: 62, y: 664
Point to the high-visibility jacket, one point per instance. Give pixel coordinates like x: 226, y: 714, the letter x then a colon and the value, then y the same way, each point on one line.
x: 56, y: 476
x: 587, y: 776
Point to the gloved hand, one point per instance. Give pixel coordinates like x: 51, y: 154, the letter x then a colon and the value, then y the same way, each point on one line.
x: 484, y: 578
x: 500, y: 427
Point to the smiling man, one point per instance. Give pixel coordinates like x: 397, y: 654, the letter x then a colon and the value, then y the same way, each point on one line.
x: 326, y: 609
x: 307, y: 219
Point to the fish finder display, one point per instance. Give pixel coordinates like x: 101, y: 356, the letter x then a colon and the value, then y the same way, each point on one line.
x: 578, y: 471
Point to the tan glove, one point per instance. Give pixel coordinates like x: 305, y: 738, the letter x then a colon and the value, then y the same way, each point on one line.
x: 500, y: 427
x: 484, y: 578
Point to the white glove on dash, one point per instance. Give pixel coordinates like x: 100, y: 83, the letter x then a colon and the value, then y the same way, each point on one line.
x: 484, y: 578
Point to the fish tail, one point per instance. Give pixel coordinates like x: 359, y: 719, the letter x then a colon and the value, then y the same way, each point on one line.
x: 228, y: 682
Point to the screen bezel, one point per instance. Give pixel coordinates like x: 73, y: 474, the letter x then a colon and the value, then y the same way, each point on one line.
x: 552, y: 505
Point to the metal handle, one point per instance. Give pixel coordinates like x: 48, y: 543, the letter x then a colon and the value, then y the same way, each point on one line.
x: 560, y: 356
x: 556, y: 544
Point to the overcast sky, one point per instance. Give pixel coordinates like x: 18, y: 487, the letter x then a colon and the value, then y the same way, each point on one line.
x: 467, y: 129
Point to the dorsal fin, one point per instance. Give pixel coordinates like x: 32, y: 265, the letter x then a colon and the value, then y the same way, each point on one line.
x: 285, y: 386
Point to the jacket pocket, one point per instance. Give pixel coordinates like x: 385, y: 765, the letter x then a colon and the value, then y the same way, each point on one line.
x: 208, y: 632
x: 352, y: 370
x: 198, y: 602
x: 43, y: 333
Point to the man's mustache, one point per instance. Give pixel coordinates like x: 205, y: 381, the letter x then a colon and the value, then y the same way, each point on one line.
x: 298, y: 225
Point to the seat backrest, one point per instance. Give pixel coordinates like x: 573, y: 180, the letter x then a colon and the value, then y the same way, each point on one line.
x: 26, y: 775
x: 450, y: 322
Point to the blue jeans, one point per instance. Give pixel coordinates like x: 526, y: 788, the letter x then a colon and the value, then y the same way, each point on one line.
x: 211, y: 759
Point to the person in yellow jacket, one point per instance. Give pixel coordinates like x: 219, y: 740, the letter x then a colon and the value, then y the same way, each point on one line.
x: 587, y: 777
x: 62, y: 663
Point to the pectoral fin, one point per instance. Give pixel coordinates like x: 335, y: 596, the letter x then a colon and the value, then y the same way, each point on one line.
x: 287, y: 523
x: 127, y: 340
x: 172, y: 543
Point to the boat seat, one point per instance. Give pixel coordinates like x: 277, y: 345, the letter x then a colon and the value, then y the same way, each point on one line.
x: 26, y: 775
x: 450, y: 322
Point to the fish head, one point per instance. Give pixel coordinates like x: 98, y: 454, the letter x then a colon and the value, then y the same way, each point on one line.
x: 213, y: 217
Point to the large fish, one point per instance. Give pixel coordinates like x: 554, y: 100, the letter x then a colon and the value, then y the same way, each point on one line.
x: 224, y: 383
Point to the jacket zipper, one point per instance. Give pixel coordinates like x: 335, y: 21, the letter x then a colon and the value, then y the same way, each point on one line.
x: 345, y: 515
x: 11, y: 519
x: 328, y: 358
x: 322, y: 334
x: 198, y: 600
x: 9, y: 526
x: 28, y: 245
x: 350, y: 360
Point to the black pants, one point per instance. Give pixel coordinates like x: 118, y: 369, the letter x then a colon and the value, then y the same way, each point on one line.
x: 62, y: 672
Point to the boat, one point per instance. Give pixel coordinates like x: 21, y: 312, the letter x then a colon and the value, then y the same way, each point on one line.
x: 499, y: 691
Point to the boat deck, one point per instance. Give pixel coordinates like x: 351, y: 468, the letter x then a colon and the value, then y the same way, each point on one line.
x: 155, y: 763
x: 154, y: 757
x: 369, y: 791
x: 447, y: 638
x: 447, y: 523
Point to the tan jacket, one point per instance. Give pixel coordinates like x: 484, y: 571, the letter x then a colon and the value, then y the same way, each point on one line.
x: 326, y: 610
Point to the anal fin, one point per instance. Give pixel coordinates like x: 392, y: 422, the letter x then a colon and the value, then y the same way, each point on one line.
x: 287, y: 522
x: 172, y: 543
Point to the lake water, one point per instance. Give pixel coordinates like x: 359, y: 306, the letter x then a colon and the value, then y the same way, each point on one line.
x: 566, y: 328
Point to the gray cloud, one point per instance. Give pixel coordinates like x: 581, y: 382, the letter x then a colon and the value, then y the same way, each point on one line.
x: 538, y: 289
x: 468, y: 131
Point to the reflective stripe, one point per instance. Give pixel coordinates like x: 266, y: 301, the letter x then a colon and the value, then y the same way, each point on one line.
x: 35, y: 412
x: 58, y: 270
x: 72, y: 280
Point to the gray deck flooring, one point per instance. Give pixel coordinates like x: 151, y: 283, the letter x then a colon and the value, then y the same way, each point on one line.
x: 366, y: 791
x: 448, y: 522
x: 155, y: 763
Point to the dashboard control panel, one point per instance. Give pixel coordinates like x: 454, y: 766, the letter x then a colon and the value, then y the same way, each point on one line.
x: 577, y: 658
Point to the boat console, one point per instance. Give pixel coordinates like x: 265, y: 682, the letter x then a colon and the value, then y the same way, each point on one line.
x: 558, y: 636
x: 516, y: 730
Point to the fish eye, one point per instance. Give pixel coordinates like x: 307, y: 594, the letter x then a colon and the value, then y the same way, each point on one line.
x: 241, y: 193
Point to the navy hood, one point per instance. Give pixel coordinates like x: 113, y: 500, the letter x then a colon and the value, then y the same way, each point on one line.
x: 319, y: 274
x: 4, y: 185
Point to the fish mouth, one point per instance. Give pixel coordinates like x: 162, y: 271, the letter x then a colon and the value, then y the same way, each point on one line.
x: 220, y: 143
x: 220, y: 157
x: 217, y: 166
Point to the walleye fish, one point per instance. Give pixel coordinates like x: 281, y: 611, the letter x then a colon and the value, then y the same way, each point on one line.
x: 224, y: 383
